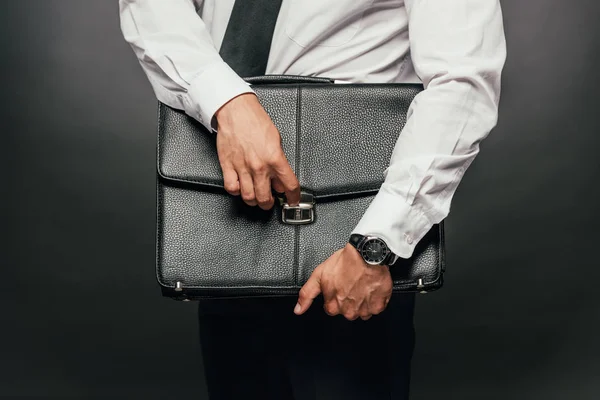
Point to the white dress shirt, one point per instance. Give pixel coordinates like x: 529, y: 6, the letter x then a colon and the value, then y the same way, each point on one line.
x: 455, y: 48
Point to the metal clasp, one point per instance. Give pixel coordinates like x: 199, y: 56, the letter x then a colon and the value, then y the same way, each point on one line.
x: 303, y: 213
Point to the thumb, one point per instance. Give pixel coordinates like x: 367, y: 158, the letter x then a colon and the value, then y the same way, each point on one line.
x: 309, y: 291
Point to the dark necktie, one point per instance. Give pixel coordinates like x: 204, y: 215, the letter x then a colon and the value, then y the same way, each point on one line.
x: 247, y: 40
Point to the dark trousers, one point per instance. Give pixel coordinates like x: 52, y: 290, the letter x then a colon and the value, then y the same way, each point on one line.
x: 259, y: 349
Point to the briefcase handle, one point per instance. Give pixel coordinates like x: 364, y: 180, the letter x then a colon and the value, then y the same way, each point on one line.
x: 286, y: 79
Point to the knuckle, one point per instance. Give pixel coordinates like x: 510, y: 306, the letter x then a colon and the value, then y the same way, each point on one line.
x: 303, y: 293
x: 377, y: 310
x: 276, y: 157
x: 350, y: 315
x: 258, y: 167
x: 293, y: 186
x: 331, y: 309
x: 248, y: 196
x: 231, y: 187
x: 378, y: 307
x: 263, y: 200
x: 265, y: 207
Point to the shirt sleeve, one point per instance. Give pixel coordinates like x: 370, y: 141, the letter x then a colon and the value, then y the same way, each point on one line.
x: 179, y: 57
x: 458, y: 50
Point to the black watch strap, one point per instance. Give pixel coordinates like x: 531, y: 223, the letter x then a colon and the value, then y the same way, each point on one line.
x: 389, y: 259
x: 355, y: 239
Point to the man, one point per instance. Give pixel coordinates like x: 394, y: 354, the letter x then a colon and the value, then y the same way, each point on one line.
x: 455, y: 48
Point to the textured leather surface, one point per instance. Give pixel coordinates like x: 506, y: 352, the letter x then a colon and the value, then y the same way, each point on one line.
x: 338, y: 139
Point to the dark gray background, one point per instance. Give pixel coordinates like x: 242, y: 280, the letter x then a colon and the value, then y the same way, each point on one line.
x: 83, y: 316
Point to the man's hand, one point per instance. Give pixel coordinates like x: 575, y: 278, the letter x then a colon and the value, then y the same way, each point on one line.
x: 250, y: 154
x: 350, y: 286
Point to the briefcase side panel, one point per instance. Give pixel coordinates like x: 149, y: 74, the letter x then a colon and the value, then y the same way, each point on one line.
x: 346, y: 136
x: 208, y: 240
x: 424, y: 270
x: 187, y: 151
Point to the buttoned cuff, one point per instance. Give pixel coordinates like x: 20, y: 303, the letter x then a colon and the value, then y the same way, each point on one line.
x: 401, y: 225
x: 210, y: 90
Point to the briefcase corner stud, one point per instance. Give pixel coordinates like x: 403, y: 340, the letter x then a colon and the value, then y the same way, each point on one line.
x: 179, y: 289
x: 301, y: 214
x: 421, y: 286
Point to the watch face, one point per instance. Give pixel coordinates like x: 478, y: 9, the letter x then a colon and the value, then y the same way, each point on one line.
x: 374, y: 251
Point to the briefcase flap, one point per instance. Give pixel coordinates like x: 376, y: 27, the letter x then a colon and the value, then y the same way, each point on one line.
x: 338, y: 138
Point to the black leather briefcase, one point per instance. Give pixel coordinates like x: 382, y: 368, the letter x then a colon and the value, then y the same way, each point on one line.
x: 338, y: 138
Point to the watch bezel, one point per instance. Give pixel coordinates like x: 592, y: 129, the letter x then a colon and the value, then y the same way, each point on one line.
x: 361, y: 245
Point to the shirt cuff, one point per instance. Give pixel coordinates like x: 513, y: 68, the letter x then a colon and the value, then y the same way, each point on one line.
x: 210, y: 90
x: 399, y: 224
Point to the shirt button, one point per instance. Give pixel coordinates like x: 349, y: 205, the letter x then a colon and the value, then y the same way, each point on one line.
x: 408, y: 238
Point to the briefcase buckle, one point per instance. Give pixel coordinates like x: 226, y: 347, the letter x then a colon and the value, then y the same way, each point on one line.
x: 301, y: 214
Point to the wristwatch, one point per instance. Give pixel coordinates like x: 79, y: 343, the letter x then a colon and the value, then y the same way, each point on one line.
x: 373, y: 249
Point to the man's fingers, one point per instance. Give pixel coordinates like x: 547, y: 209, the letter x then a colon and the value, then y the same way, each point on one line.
x: 331, y: 308
x: 314, y: 286
x: 309, y: 291
x: 350, y: 315
x: 277, y: 185
x: 365, y: 311
x: 230, y: 180
x: 291, y: 186
x: 377, y: 305
x: 247, y: 187
x: 262, y: 189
